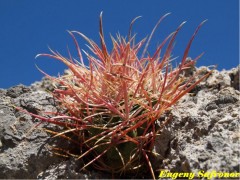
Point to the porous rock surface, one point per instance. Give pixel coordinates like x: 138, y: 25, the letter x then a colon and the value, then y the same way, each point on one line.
x: 203, y: 133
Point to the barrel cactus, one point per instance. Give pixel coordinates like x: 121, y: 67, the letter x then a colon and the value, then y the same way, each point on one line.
x: 114, y: 101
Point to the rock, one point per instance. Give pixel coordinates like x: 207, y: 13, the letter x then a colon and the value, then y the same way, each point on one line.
x: 44, y: 84
x: 23, y: 154
x: 17, y: 91
x: 24, y: 150
x: 219, y: 79
x: 235, y: 75
x: 203, y: 134
x: 69, y: 169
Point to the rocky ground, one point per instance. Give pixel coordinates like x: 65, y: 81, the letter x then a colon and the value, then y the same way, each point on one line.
x: 204, y: 133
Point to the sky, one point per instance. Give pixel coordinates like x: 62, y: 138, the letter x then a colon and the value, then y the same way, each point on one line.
x: 29, y: 27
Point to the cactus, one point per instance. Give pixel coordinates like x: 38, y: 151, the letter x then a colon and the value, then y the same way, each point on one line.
x: 114, y: 102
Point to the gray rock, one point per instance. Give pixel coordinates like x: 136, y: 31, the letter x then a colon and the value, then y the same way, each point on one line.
x: 203, y: 134
x: 206, y: 129
x: 235, y: 76
x: 219, y: 79
x: 24, y: 147
x: 22, y: 153
x: 69, y: 169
